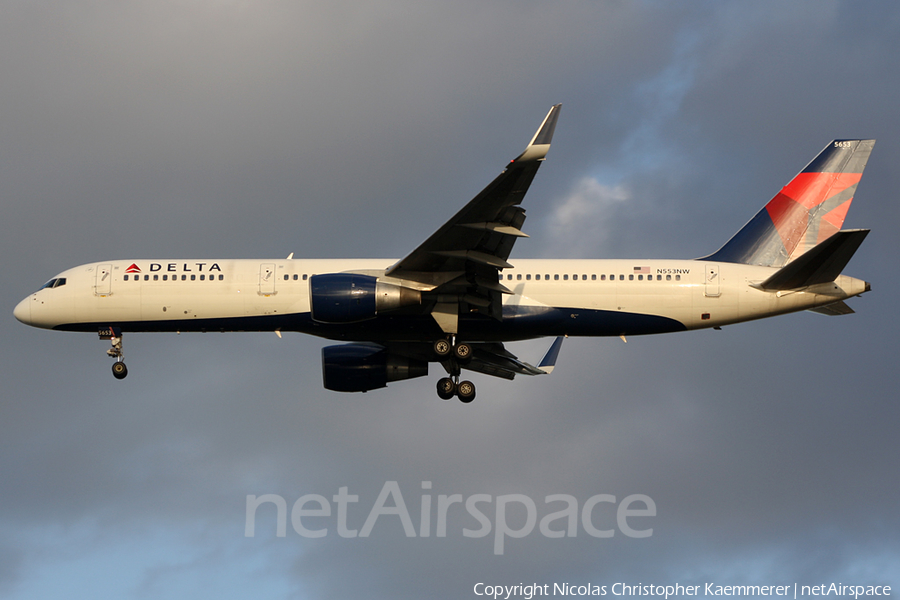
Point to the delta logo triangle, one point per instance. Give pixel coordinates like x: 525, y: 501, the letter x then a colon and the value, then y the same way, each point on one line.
x: 133, y: 269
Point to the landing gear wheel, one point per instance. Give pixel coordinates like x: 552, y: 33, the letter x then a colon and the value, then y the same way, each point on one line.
x: 446, y: 389
x: 466, y: 391
x: 119, y: 370
x: 442, y: 348
x: 462, y: 352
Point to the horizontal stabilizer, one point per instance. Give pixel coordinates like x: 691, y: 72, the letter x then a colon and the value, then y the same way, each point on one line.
x: 835, y: 309
x: 822, y: 264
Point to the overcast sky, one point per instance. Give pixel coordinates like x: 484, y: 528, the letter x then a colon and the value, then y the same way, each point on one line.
x: 236, y: 129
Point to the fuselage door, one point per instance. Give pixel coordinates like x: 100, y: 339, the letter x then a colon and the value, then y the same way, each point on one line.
x: 267, y: 279
x: 712, y: 281
x: 103, y: 280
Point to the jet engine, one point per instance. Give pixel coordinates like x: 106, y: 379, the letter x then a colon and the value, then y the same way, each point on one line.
x: 350, y: 297
x: 363, y: 367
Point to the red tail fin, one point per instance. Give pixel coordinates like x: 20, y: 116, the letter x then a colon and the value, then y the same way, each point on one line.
x: 808, y: 210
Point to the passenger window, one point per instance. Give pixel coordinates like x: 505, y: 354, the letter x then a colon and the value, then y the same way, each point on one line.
x: 286, y: 276
x: 304, y: 276
x: 519, y: 277
x: 296, y: 277
x: 584, y: 277
x: 221, y: 277
x: 156, y: 278
x: 509, y: 277
x: 193, y: 277
x: 165, y: 277
x: 555, y: 277
x: 631, y: 277
x: 603, y: 278
x: 537, y: 277
x: 659, y: 277
x: 566, y: 277
x: 124, y: 278
x: 668, y: 278
x: 202, y: 277
x: 640, y: 277
x: 146, y: 278
x: 678, y: 278
x: 528, y: 277
x: 184, y: 277
x: 593, y: 278
x: 547, y: 277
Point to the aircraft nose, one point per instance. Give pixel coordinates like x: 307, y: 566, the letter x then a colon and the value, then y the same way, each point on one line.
x: 22, y: 311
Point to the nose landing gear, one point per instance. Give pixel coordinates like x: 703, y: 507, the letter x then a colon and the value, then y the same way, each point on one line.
x: 114, y: 335
x: 120, y: 371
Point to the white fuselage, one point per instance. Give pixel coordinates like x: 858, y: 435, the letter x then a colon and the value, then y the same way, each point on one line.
x: 587, y: 297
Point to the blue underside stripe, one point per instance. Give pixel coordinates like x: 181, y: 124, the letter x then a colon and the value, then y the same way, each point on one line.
x: 518, y: 323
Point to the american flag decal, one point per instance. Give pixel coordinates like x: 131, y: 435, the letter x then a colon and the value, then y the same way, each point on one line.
x: 642, y: 269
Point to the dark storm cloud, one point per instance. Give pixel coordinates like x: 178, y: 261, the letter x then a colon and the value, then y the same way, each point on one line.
x: 257, y: 129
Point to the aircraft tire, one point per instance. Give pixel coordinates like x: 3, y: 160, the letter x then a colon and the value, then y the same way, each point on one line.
x: 462, y: 352
x: 446, y: 389
x: 442, y: 348
x: 465, y: 391
x: 119, y: 370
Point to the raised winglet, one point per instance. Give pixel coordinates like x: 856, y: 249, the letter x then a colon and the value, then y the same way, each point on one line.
x: 548, y: 363
x: 540, y: 143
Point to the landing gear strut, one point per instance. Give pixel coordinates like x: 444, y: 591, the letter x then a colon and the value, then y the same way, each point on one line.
x: 447, y: 387
x: 119, y: 370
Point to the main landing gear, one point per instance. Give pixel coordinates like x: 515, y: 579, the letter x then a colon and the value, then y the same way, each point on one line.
x: 454, y: 354
x: 119, y: 370
x: 447, y: 388
x: 461, y: 352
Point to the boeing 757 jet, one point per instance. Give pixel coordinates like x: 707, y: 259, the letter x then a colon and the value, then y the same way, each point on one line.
x: 457, y: 298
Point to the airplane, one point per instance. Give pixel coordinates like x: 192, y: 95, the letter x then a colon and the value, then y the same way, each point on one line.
x: 456, y: 299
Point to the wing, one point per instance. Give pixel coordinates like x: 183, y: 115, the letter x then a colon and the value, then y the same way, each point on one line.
x: 460, y: 261
x: 494, y: 359
x: 488, y: 358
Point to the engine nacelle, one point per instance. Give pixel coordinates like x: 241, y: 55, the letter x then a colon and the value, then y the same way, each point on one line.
x: 363, y: 367
x: 350, y: 297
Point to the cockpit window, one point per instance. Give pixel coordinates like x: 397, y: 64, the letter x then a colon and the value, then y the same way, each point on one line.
x: 54, y: 283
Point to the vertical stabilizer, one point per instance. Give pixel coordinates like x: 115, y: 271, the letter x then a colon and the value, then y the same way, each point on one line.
x: 807, y: 211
